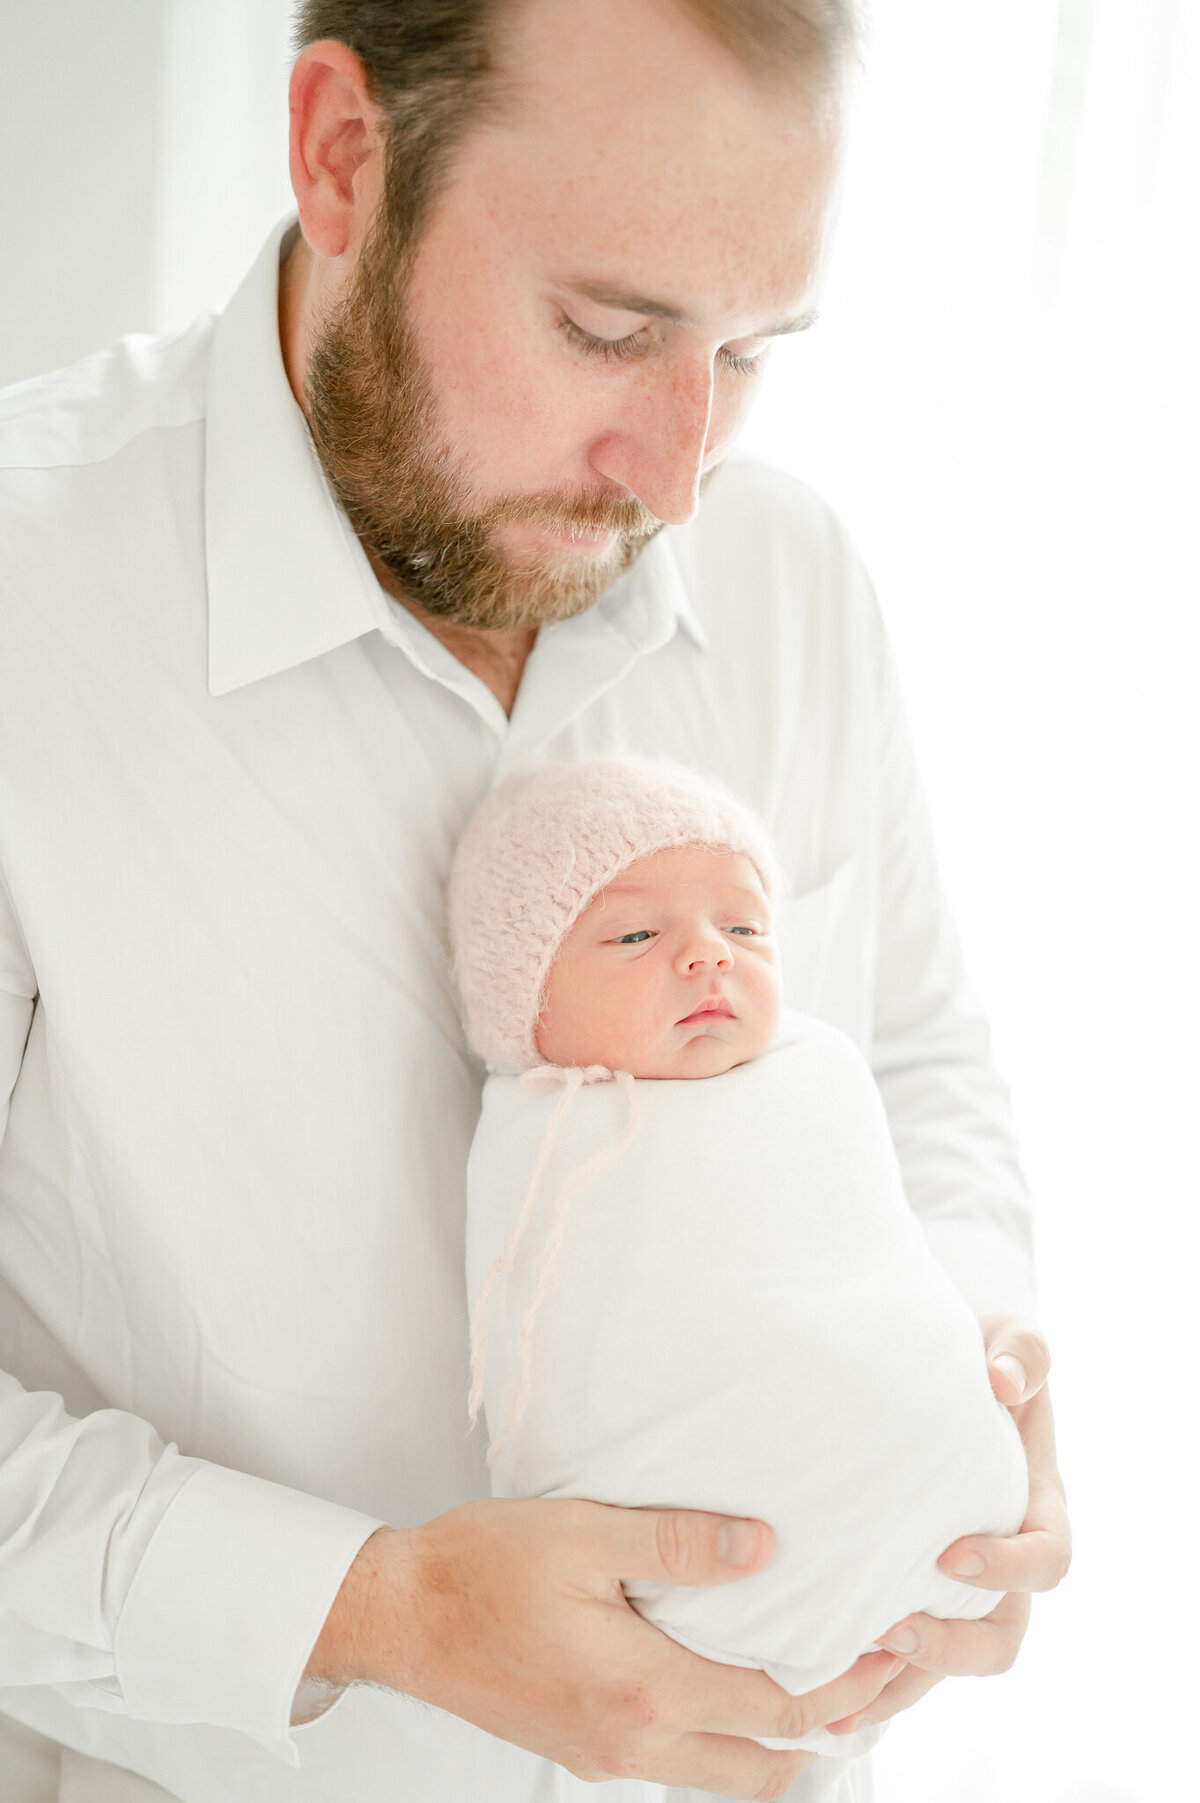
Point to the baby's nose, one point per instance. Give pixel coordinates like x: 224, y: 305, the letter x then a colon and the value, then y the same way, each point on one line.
x: 707, y: 951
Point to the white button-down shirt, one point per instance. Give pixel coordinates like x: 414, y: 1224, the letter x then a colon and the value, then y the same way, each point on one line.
x: 231, y: 1182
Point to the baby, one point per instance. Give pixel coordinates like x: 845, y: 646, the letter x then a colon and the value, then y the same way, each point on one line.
x: 694, y: 1277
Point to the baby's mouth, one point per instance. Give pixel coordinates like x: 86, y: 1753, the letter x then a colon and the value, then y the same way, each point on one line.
x: 714, y: 1005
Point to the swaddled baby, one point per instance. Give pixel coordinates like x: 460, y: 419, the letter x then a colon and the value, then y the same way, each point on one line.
x: 693, y: 1275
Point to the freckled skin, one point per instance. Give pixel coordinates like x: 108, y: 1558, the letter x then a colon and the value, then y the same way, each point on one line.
x: 630, y: 150
x: 672, y: 930
x: 556, y: 193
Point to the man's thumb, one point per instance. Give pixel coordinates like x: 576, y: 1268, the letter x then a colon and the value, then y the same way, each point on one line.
x: 686, y: 1546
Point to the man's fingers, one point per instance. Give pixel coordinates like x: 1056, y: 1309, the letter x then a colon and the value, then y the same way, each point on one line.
x: 1035, y: 1559
x: 1017, y: 1355
x: 907, y: 1688
x: 856, y: 1690
x: 1039, y: 1557
x: 674, y: 1546
x: 673, y: 1689
x: 1035, y: 1420
x: 716, y: 1764
x: 959, y: 1649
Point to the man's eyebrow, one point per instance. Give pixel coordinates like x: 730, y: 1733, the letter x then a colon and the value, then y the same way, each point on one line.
x: 627, y: 302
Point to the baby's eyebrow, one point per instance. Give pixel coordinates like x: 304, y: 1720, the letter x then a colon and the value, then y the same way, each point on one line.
x: 627, y: 889
x: 639, y: 891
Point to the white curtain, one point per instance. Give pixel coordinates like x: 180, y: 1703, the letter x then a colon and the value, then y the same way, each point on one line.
x: 1002, y: 400
x: 145, y: 150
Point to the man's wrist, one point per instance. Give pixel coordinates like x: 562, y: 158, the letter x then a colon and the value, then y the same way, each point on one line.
x: 360, y: 1627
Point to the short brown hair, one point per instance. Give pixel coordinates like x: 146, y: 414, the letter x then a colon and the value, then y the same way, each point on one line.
x: 431, y: 69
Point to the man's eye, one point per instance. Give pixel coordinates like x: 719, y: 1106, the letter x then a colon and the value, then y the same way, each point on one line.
x: 611, y: 349
x: 743, y: 366
x: 615, y: 350
x: 631, y: 938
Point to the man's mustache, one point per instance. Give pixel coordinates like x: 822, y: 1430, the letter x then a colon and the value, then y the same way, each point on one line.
x: 585, y: 514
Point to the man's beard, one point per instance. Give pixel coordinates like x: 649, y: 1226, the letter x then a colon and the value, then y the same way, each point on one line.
x: 372, y: 415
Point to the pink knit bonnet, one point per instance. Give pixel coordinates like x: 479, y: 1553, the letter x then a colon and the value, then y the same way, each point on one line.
x: 536, y: 852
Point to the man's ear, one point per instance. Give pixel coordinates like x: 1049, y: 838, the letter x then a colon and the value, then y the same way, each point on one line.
x: 335, y: 151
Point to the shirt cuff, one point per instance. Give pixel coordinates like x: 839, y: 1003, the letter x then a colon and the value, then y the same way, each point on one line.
x: 228, y: 1601
x: 314, y: 1698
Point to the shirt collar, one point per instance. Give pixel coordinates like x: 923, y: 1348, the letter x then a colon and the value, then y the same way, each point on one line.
x: 648, y: 604
x: 287, y: 577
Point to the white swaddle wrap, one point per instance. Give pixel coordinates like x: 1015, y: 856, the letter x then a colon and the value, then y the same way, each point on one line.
x: 744, y: 1316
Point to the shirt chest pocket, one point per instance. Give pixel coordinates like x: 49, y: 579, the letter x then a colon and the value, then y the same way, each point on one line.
x: 826, y: 951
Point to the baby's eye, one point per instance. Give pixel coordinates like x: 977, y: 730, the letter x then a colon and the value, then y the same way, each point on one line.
x: 631, y: 938
x: 751, y: 930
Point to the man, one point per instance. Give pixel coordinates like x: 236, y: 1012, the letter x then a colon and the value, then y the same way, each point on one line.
x: 282, y: 600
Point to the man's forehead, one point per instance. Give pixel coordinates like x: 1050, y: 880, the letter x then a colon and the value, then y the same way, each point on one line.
x: 646, y: 71
x: 666, y: 183
x: 672, y: 38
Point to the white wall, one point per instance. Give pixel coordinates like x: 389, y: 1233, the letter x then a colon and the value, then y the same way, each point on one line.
x: 145, y: 157
x: 80, y: 117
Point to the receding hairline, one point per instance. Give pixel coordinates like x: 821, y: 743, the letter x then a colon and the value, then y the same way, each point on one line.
x: 774, y: 40
x: 437, y: 69
x: 777, y: 41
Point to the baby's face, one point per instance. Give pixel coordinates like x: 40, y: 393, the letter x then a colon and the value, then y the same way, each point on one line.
x: 670, y: 972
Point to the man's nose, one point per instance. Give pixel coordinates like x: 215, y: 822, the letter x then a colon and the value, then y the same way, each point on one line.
x: 657, y: 448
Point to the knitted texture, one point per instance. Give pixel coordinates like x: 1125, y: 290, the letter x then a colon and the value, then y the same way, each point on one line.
x: 537, y: 851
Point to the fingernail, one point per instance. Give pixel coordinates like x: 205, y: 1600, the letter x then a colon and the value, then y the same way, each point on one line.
x: 969, y: 1566
x: 737, y: 1543
x: 903, y: 1641
x: 1012, y: 1367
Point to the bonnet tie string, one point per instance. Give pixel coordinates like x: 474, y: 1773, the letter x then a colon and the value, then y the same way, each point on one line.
x: 572, y: 1083
x: 573, y: 1080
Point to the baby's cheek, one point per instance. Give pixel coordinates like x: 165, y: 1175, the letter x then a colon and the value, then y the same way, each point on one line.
x: 610, y: 1028
x: 770, y: 1008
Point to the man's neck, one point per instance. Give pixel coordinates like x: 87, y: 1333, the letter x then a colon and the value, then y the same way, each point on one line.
x: 498, y: 658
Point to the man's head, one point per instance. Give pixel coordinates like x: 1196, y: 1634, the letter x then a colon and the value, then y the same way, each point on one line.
x: 551, y: 241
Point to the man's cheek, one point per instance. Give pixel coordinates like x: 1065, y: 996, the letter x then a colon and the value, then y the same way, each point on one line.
x: 733, y: 397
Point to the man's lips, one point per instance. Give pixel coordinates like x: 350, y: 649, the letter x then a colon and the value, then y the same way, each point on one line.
x: 714, y: 1004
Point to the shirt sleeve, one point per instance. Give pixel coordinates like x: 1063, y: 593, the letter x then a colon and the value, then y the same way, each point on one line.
x: 135, y: 1579
x: 950, y: 1112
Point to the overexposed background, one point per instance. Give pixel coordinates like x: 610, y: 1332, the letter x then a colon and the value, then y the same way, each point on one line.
x: 1002, y: 400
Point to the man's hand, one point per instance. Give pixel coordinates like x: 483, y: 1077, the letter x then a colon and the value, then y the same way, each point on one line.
x: 511, y: 1614
x: 1035, y: 1559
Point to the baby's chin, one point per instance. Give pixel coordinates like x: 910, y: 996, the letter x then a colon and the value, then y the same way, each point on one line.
x: 704, y: 1055
x: 675, y: 1057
